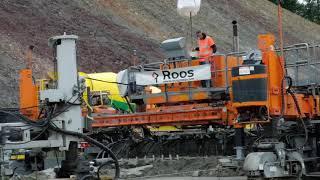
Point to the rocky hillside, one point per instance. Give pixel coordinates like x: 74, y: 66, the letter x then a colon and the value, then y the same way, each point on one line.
x: 110, y: 30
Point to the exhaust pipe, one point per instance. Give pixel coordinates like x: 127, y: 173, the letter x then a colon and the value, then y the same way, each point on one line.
x: 235, y: 44
x: 29, y: 57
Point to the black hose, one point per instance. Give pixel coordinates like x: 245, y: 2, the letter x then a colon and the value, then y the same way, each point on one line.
x: 99, y: 168
x: 283, y: 93
x: 91, y: 141
x: 282, y: 98
x: 20, y: 117
x: 300, y: 118
x: 128, y: 103
x: 111, y: 82
x: 48, y: 125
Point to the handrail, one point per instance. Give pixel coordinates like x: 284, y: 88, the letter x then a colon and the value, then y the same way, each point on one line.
x: 309, y: 54
x: 306, y: 57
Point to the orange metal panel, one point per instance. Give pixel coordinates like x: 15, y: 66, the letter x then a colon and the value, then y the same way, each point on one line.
x: 251, y: 103
x: 178, y: 98
x: 28, y: 95
x: 306, y: 106
x: 254, y: 76
x: 200, y: 95
x: 155, y: 100
x: 316, y: 105
x: 182, y: 97
x: 275, y: 74
x: 229, y: 114
x: 187, y: 116
x: 219, y: 75
x: 180, y: 107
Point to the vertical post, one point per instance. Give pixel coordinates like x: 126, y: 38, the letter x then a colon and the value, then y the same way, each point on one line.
x: 29, y: 57
x: 134, y: 57
x: 2, y: 164
x: 235, y: 44
x: 226, y: 72
x: 191, y: 29
x: 88, y: 122
x: 280, y: 31
x: 239, y: 143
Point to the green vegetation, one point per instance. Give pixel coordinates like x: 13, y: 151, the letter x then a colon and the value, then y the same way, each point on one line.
x: 310, y: 9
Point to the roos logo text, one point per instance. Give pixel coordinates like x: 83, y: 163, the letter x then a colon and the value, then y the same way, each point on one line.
x: 185, y: 74
x: 175, y: 75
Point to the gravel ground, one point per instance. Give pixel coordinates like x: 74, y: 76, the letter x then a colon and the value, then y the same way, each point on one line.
x: 182, y: 167
x: 164, y: 168
x: 200, y: 178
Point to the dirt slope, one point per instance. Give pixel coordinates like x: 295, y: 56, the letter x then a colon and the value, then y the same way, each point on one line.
x: 110, y: 30
x: 159, y: 19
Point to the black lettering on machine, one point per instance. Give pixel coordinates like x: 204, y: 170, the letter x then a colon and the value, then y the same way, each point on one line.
x: 185, y: 74
x: 171, y: 76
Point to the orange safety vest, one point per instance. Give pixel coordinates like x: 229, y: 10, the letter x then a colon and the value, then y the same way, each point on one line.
x: 205, y: 49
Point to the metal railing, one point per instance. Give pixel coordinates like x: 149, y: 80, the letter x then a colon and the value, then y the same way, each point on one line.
x: 238, y: 56
x: 302, y: 62
x: 226, y: 70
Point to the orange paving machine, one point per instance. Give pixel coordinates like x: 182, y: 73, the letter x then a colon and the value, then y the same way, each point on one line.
x: 267, y: 99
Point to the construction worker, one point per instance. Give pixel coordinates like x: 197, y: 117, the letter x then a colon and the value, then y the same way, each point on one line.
x: 206, y: 47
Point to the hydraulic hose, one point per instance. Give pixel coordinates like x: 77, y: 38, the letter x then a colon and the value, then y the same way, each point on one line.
x: 91, y: 141
x: 300, y: 118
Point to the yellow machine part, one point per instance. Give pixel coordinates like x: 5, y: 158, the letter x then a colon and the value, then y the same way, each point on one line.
x: 95, y: 86
x: 18, y: 157
x: 163, y: 129
x: 102, y: 85
x: 98, y: 82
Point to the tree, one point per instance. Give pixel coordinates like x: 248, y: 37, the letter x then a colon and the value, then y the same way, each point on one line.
x: 291, y: 5
x: 309, y: 10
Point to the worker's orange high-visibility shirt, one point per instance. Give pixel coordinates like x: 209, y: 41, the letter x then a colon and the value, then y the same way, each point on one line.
x: 205, y: 49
